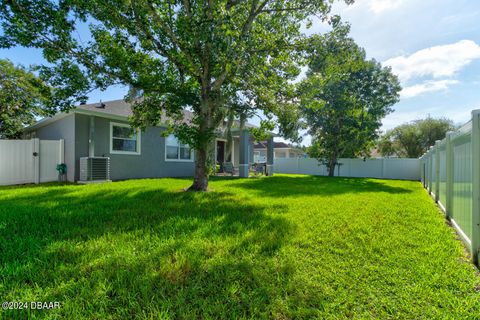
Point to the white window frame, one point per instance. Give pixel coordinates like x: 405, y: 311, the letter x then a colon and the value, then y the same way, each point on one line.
x: 178, y: 159
x: 139, y: 140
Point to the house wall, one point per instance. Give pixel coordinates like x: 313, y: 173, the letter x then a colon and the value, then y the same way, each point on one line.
x: 61, y: 129
x: 149, y: 164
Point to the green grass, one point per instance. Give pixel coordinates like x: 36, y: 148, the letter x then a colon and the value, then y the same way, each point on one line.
x: 282, y: 247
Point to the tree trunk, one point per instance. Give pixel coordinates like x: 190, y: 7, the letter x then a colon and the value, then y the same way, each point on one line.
x: 200, y: 179
x: 204, y: 140
x: 331, y: 166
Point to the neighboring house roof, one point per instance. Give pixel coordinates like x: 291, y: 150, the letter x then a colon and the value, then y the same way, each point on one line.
x: 263, y: 145
x: 115, y: 109
x: 276, y: 145
x: 375, y: 153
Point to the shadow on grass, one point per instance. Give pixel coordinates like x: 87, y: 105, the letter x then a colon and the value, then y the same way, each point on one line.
x: 290, y: 186
x: 131, y: 251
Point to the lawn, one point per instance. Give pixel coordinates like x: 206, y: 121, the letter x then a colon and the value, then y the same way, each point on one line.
x: 283, y: 247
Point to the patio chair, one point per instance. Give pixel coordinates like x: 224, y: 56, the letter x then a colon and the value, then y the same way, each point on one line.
x: 229, y: 168
x: 258, y: 168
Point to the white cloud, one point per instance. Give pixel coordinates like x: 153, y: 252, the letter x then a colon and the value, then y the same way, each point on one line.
x: 376, y: 6
x: 437, y: 62
x: 379, y: 6
x: 427, y: 86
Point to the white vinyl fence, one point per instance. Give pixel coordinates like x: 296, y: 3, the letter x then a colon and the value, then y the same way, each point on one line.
x: 30, y: 161
x: 391, y: 168
x: 451, y: 174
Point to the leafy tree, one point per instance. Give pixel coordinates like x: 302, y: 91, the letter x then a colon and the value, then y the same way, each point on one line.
x: 173, y: 54
x: 344, y: 97
x: 413, y: 139
x: 23, y: 96
x: 386, y: 146
x: 433, y: 129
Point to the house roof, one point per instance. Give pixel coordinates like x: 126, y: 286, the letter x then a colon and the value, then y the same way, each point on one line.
x: 114, y: 109
x: 121, y: 108
x: 276, y: 145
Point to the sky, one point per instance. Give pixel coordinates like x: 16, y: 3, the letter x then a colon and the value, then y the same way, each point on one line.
x: 432, y: 45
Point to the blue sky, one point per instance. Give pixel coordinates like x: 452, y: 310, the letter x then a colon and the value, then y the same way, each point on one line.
x: 433, y: 45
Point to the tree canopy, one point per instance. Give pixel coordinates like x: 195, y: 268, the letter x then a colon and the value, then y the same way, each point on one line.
x: 174, y: 54
x: 413, y: 139
x: 344, y: 97
x: 23, y: 97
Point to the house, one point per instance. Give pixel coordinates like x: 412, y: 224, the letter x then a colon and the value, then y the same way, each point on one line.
x: 102, y: 130
x: 281, y: 150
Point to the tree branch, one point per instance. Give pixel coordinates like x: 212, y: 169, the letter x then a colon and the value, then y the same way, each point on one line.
x: 253, y: 13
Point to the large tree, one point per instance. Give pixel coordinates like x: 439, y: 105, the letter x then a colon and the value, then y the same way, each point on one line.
x: 344, y: 97
x: 173, y: 54
x: 23, y: 97
x: 413, y: 139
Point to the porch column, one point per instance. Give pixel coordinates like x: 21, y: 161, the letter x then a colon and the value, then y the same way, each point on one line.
x: 244, y: 156
x: 270, y: 150
x: 91, y: 137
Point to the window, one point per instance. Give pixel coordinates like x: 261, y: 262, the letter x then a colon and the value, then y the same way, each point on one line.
x: 280, y: 154
x: 124, y: 139
x: 177, y: 151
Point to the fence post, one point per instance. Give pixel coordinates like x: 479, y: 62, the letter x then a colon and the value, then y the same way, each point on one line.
x: 437, y: 170
x: 36, y: 160
x: 475, y: 186
x: 431, y: 167
x: 449, y: 159
x: 424, y: 168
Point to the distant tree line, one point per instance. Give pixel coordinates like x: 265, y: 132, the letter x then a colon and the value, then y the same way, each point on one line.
x: 412, y: 140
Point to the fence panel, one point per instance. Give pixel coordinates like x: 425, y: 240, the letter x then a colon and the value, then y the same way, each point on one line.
x: 457, y: 180
x: 402, y: 169
x: 50, y: 155
x: 462, y: 181
x: 434, y: 170
x: 16, y: 162
x: 358, y: 168
x: 29, y: 161
x: 442, y: 194
x: 431, y: 170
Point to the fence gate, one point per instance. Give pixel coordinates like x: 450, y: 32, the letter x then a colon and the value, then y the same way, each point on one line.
x: 29, y: 161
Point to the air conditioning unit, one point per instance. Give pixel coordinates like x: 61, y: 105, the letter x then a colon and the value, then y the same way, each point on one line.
x: 94, y: 169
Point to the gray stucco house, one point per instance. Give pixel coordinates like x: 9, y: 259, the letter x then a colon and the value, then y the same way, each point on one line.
x: 102, y: 130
